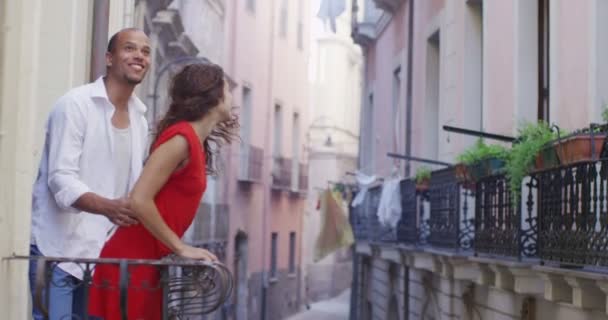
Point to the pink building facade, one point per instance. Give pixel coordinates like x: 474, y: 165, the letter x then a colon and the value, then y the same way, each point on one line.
x: 266, y: 174
x: 487, y: 66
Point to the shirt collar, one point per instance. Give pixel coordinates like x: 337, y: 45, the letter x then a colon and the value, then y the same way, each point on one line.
x: 98, y: 90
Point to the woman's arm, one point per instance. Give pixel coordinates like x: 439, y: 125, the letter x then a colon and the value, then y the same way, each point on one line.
x: 160, y: 165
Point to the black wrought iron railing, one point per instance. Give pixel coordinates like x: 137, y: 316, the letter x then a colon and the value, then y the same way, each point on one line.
x: 281, y: 173
x: 188, y: 288
x: 413, y: 228
x: 451, y: 220
x: 500, y: 228
x: 251, y: 163
x: 481, y: 219
x: 365, y: 222
x: 573, y: 214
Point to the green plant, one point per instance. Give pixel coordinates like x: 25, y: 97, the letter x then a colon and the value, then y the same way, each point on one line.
x: 422, y: 174
x: 605, y: 113
x: 532, y: 138
x: 481, y: 151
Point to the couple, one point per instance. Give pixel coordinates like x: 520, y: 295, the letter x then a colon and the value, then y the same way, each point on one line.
x: 94, y: 197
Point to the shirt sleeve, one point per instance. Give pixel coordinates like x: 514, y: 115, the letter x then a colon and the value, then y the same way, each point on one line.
x: 66, y: 128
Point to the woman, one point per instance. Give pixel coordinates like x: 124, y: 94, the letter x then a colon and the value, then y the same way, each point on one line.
x: 168, y: 192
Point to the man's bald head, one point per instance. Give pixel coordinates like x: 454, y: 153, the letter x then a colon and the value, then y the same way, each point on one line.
x: 114, y: 39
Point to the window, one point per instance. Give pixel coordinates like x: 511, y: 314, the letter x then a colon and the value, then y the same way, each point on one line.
x: 543, y: 60
x: 300, y: 35
x: 602, y: 53
x: 473, y: 106
x: 245, y: 120
x: 397, y: 117
x: 283, y: 19
x: 368, y: 135
x: 251, y: 5
x: 432, y: 96
x: 273, y: 256
x: 300, y: 26
x: 292, y: 252
x: 295, y: 144
x: 278, y: 128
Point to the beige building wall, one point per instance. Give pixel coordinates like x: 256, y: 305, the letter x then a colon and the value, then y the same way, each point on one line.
x: 335, y: 75
x: 44, y: 51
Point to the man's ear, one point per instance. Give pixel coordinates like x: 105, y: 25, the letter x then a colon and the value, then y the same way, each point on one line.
x: 108, y: 59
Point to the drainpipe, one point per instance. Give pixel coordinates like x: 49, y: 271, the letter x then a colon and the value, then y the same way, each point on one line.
x: 99, y: 41
x: 267, y: 181
x: 408, y: 98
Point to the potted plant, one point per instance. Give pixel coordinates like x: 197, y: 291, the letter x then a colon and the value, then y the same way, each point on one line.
x: 532, y: 151
x: 584, y: 145
x: 423, y: 178
x: 482, y: 160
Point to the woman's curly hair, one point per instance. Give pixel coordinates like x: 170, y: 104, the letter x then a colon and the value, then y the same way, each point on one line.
x: 194, y: 92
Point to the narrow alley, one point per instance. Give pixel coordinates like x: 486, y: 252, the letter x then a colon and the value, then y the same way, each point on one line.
x: 336, y: 308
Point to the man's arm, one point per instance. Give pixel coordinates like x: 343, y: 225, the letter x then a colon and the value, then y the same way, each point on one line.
x: 117, y: 210
x: 66, y: 129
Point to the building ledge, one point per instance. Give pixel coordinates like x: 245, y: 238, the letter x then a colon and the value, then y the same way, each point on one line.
x: 581, y: 288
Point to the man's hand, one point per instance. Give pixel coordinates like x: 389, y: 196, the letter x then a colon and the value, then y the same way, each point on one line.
x: 119, y: 212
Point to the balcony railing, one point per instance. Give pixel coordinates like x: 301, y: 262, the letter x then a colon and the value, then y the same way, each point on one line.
x: 483, y: 219
x: 413, y: 228
x: 188, y: 288
x: 573, y: 214
x: 389, y: 5
x: 251, y: 163
x: 366, y: 225
x: 303, y: 178
x: 281, y: 174
x: 451, y: 220
x: 500, y: 228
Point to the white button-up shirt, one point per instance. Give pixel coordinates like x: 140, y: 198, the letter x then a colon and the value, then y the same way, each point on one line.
x: 79, y: 157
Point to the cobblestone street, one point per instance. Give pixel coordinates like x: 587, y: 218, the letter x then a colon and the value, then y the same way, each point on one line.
x: 332, y: 309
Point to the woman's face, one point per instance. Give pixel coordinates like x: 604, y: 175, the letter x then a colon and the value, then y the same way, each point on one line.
x: 225, y: 106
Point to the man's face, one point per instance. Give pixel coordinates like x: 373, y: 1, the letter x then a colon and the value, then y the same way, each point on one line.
x: 130, y: 58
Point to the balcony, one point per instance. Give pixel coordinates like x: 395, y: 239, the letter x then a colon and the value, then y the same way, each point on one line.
x: 303, y: 179
x: 281, y: 174
x: 554, y: 234
x: 550, y: 243
x: 189, y: 288
x: 251, y: 163
x: 389, y: 5
x: 364, y: 25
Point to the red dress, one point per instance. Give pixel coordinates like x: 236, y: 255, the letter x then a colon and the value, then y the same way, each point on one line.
x: 177, y: 202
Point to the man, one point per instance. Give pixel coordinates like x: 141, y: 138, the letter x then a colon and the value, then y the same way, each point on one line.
x: 93, y: 153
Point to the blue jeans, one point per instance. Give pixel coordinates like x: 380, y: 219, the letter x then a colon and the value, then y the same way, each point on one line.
x: 65, y: 296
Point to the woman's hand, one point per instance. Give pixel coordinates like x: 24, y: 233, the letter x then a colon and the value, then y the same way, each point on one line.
x: 191, y: 252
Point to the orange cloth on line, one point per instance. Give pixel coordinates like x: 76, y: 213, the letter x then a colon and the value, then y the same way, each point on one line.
x: 336, y: 231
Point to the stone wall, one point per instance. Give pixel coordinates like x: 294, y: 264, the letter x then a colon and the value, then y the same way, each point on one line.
x: 282, y: 295
x: 400, y: 284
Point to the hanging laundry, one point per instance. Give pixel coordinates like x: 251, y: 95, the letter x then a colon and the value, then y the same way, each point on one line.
x: 389, y: 209
x: 336, y: 231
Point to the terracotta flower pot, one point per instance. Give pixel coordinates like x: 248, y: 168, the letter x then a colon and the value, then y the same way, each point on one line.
x: 579, y: 148
x: 423, y: 185
x: 462, y: 172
